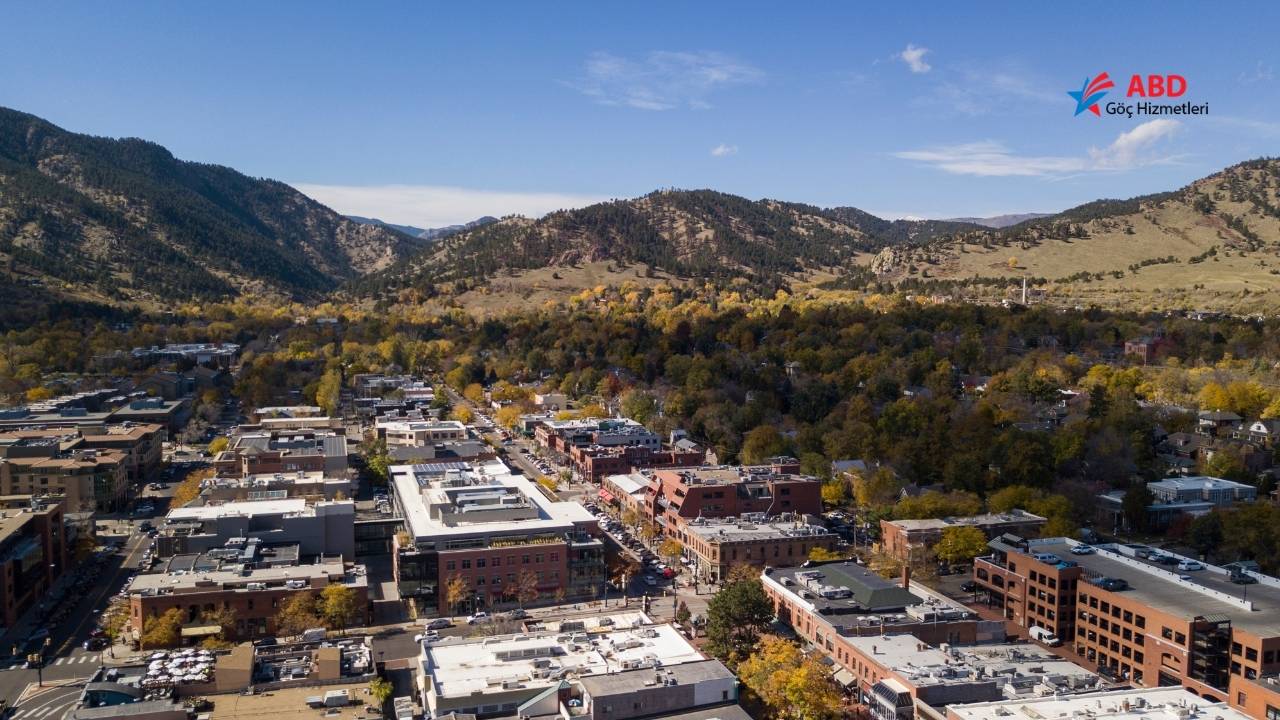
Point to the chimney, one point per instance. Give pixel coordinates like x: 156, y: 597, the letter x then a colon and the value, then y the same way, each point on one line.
x: 906, y: 576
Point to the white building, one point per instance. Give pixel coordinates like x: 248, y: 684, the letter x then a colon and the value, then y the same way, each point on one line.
x: 1166, y: 703
x: 419, y: 433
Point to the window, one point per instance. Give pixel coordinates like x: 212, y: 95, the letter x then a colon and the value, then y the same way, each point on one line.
x: 1273, y: 713
x: 1128, y: 616
x: 1180, y: 638
x: 1139, y: 621
x: 1236, y: 648
x: 1166, y: 633
x: 496, y: 561
x: 1106, y: 607
x: 466, y: 564
x: 480, y: 562
x: 1269, y: 657
x: 1251, y: 654
x: 450, y: 565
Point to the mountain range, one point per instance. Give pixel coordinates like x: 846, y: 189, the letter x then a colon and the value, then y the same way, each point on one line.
x: 122, y: 222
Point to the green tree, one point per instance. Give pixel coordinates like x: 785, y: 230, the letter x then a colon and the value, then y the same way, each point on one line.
x: 737, y: 615
x: 670, y: 550
x: 1205, y: 533
x: 381, y: 690
x: 638, y: 405
x: 877, y: 488
x: 960, y: 544
x: 1134, y: 506
x: 761, y: 444
x: 792, y: 684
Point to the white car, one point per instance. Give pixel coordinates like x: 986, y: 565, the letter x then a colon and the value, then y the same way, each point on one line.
x: 1190, y: 565
x: 1082, y: 550
x: 478, y: 618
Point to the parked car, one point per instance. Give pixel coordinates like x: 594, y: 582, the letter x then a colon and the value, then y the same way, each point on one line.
x: 477, y: 618
x: 650, y: 580
x: 1186, y: 565
x: 1044, y: 635
x: 439, y: 624
x: 93, y: 644
x: 1243, y: 579
x: 518, y: 614
x: 969, y: 586
x: 1082, y: 550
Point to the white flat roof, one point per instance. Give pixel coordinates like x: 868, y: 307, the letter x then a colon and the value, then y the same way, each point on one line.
x: 246, y: 508
x: 1169, y: 703
x: 459, y: 668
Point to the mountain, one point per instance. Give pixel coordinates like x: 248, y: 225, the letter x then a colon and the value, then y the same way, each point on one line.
x: 1213, y: 244
x: 686, y: 233
x: 427, y: 233
x: 122, y: 219
x: 1000, y: 221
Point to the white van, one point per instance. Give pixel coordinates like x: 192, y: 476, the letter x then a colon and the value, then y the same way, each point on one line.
x: 1044, y: 635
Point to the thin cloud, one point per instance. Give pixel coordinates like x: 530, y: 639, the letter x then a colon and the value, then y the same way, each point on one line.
x: 980, y: 90
x: 989, y: 158
x: 723, y: 150
x: 1260, y: 73
x: 431, y: 206
x: 662, y: 80
x: 914, y: 58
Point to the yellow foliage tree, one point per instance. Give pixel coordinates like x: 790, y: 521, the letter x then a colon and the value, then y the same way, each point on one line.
x: 509, y: 416
x: 463, y: 414
x: 793, y: 685
x: 162, y: 630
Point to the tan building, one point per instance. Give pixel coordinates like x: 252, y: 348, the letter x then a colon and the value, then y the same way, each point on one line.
x: 142, y: 444
x: 88, y: 480
x: 715, y: 546
x: 902, y: 538
x: 33, y: 553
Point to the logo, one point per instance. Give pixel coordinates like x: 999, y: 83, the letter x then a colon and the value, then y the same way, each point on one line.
x: 1088, y: 96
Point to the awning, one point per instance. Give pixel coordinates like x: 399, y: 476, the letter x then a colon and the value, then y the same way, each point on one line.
x: 201, y: 630
x: 844, y: 677
x: 606, y: 495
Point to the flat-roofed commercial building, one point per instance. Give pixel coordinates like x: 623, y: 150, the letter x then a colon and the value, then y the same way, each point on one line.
x: 680, y: 496
x: 319, y: 528
x: 829, y: 603
x: 419, y: 433
x: 85, y: 480
x: 495, y: 531
x: 1138, y: 615
x: 901, y: 538
x: 620, y: 668
x: 1166, y: 703
x: 713, y: 546
x: 33, y: 553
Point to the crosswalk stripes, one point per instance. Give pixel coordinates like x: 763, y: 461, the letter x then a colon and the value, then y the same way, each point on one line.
x: 36, y: 713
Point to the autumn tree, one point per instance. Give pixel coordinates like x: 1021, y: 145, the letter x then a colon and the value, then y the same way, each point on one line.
x: 162, y: 630
x: 474, y: 392
x: 297, y: 613
x: 526, y: 587
x: 338, y: 605
x: 381, y: 690
x: 877, y: 488
x: 792, y: 684
x: 509, y: 416
x: 960, y: 544
x: 224, y: 618
x: 670, y: 550
x: 456, y: 590
x: 821, y: 554
x: 189, y: 488
x: 761, y: 444
x: 218, y: 444
x: 463, y: 414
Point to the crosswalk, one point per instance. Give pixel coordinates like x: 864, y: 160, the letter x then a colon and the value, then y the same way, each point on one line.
x: 72, y: 660
x: 51, y: 712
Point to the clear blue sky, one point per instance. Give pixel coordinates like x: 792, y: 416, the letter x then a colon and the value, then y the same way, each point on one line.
x: 932, y: 110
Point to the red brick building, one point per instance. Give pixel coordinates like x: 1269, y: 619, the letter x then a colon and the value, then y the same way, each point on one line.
x: 594, y: 462
x: 680, y: 496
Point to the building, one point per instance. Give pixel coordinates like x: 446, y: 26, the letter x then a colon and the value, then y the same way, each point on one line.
x: 267, y: 486
x: 680, y: 496
x: 142, y: 444
x: 33, y: 553
x: 1175, y: 497
x: 261, y: 452
x: 1165, y: 703
x: 901, y: 538
x: 551, y: 402
x: 170, y: 414
x: 84, y: 480
x: 619, y: 668
x: 321, y: 528
x: 1131, y: 611
x: 1216, y: 422
x: 628, y: 492
x: 419, y: 433
x: 828, y: 604
x: 495, y: 531
x: 212, y: 354
x: 899, y: 677
x: 561, y: 435
x: 254, y: 595
x: 594, y: 462
x: 713, y: 546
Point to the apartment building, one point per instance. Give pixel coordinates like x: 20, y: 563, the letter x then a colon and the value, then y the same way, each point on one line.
x: 419, y: 433
x: 268, y: 486
x: 901, y: 538
x: 609, y: 668
x: 255, y: 595
x: 85, y: 480
x: 33, y: 553
x: 321, y: 528
x: 561, y: 435
x: 492, y: 529
x: 262, y: 452
x: 141, y: 443
x: 1136, y: 614
x: 829, y: 604
x: 714, y: 546
x: 680, y: 496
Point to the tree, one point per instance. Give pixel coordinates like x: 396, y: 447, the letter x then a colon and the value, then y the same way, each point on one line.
x: 792, y: 684
x: 877, y: 489
x: 638, y: 405
x: 960, y: 544
x: 1134, y: 506
x: 509, y: 416
x: 224, y: 618
x: 189, y: 488
x: 329, y: 391
x: 162, y: 630
x: 338, y: 605
x: 456, y: 589
x: 736, y: 617
x: 761, y: 444
x: 670, y: 550
x: 683, y: 614
x: 1205, y: 533
x: 378, y: 461
x: 934, y: 504
x: 381, y: 690
x: 297, y: 613
x: 835, y: 492
x: 526, y: 587
x: 821, y: 554
x: 463, y: 414
x: 630, y: 517
x: 218, y: 444
x: 474, y: 392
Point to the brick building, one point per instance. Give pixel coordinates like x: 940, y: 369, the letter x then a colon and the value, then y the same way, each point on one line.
x: 493, y: 530
x: 33, y: 553
x: 594, y: 462
x: 86, y: 480
x: 900, y: 538
x: 1142, y: 619
x: 715, y: 546
x: 680, y: 496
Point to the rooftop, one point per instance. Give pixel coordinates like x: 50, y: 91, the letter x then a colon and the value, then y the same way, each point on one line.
x: 288, y: 702
x: 1171, y: 703
x: 744, y: 530
x: 986, y: 519
x: 219, y: 580
x: 242, y: 508
x: 459, y: 667
x: 1204, y: 592
x: 847, y: 594
x: 1198, y: 483
x: 1020, y: 667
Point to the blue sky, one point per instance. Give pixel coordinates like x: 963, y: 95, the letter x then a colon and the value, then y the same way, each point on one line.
x: 433, y: 113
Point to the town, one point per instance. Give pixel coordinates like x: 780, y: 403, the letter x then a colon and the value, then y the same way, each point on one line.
x: 427, y: 545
